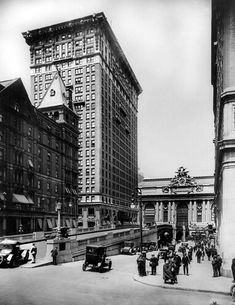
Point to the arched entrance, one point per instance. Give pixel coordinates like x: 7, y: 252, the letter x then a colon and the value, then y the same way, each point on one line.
x: 181, y: 220
x: 165, y: 235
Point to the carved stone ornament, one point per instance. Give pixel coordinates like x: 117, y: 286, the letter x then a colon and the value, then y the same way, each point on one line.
x: 182, y: 182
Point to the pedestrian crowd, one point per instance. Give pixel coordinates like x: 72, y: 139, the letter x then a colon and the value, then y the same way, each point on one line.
x: 173, y: 260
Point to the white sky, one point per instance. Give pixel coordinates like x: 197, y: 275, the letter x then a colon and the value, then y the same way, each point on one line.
x: 167, y: 43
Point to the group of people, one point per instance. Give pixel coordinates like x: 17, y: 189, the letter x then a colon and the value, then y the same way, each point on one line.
x: 201, y: 249
x: 54, y: 253
x: 173, y: 261
x: 171, y: 267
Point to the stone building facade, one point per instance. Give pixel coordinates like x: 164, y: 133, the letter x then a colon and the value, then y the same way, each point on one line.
x: 105, y: 98
x: 223, y: 81
x: 38, y: 161
x: 180, y: 207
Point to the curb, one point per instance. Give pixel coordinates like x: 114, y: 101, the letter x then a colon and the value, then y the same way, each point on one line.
x: 30, y: 266
x: 180, y: 288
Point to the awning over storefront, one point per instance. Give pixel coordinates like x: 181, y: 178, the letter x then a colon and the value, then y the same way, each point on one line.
x: 67, y: 190
x: 68, y: 223
x: 39, y: 223
x: 74, y: 192
x: 2, y: 196
x: 49, y: 223
x: 30, y: 200
x: 19, y: 199
x: 30, y: 163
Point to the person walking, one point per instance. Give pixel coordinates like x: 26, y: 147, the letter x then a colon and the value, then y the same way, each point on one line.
x: 199, y: 255
x: 208, y: 253
x: 185, y: 262
x: 214, y: 266
x: 153, y: 262
x: 190, y: 253
x: 34, y: 253
x: 177, y: 261
x: 219, y: 264
x: 54, y: 253
x: 141, y: 264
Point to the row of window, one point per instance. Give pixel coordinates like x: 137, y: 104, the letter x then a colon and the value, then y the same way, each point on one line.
x: 64, y: 54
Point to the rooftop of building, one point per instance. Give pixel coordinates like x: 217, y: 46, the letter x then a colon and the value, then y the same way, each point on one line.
x: 5, y: 83
x: 99, y: 18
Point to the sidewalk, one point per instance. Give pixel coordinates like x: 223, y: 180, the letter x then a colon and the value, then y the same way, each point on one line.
x: 199, y: 279
x: 39, y: 263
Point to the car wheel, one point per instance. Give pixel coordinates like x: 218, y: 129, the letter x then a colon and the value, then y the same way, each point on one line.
x: 15, y: 263
x: 84, y: 267
x: 100, y: 268
x: 110, y: 265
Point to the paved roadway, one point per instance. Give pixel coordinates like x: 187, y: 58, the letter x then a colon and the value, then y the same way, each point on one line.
x: 67, y: 284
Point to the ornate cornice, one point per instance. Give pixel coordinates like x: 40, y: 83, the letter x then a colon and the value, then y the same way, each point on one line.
x: 182, y: 183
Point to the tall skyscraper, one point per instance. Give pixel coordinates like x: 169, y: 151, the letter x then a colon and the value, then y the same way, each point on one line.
x: 105, y: 94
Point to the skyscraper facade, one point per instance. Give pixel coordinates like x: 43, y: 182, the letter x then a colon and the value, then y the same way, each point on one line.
x: 223, y: 81
x: 105, y: 94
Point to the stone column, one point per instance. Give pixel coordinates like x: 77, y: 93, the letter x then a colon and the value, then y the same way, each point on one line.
x: 208, y: 209
x: 156, y: 212
x: 169, y: 211
x: 203, y: 211
x: 190, y: 212
x: 194, y: 211
x: 161, y: 212
x: 173, y: 213
x: 85, y: 214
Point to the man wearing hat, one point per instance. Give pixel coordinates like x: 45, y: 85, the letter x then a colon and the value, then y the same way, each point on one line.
x: 153, y: 262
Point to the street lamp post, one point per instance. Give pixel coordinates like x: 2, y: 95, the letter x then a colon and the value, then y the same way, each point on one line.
x: 58, y: 209
x: 138, y: 195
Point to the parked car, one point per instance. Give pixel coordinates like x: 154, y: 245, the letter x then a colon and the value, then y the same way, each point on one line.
x: 149, y: 246
x: 11, y: 254
x: 128, y: 248
x: 96, y: 258
x: 162, y: 252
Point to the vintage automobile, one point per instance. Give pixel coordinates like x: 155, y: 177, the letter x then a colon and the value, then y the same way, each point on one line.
x: 149, y: 246
x: 128, y: 248
x: 162, y: 252
x: 96, y: 258
x: 11, y: 254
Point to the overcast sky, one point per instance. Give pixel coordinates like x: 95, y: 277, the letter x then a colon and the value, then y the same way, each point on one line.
x: 167, y: 43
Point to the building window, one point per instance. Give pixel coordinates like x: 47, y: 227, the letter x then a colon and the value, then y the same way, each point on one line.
x: 199, y: 212
x: 91, y: 211
x: 87, y: 181
x: 39, y: 184
x: 48, y: 156
x: 78, y: 71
